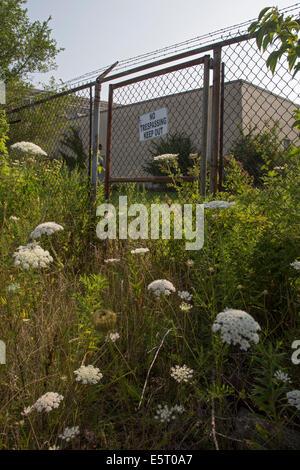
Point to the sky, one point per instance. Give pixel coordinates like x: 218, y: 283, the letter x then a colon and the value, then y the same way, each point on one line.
x: 96, y: 33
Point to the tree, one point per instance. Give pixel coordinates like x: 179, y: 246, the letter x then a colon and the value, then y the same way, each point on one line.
x: 25, y: 47
x: 273, y: 29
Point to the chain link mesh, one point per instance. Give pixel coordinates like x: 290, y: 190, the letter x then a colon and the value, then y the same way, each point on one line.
x: 47, y: 123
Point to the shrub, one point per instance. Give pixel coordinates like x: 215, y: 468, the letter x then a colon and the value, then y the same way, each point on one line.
x: 4, y: 127
x: 259, y: 151
x: 175, y: 144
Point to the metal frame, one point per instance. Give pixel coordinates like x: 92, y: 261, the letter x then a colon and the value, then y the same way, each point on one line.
x: 201, y: 60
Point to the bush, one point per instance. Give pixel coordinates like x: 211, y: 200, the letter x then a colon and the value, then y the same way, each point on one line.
x: 259, y: 152
x: 176, y: 144
x: 4, y: 127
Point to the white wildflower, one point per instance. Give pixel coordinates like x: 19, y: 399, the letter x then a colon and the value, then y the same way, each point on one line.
x: 294, y: 398
x: 282, y: 376
x: 140, y: 250
x: 46, y: 227
x: 190, y: 262
x: 295, y: 265
x: 13, y: 287
x: 161, y: 286
x: 27, y: 411
x: 32, y: 255
x: 113, y: 337
x: 184, y: 295
x: 185, y: 307
x: 69, y: 433
x: 13, y: 217
x: 166, y: 156
x: 181, y: 374
x: 47, y: 402
x: 218, y: 204
x: 237, y: 327
x: 28, y: 147
x: 164, y: 414
x: 112, y: 260
x: 54, y: 447
x: 88, y: 374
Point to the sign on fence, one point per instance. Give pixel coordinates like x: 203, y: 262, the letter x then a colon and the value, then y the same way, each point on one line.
x: 153, y: 125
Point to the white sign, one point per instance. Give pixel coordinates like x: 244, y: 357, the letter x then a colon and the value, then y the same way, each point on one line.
x: 2, y: 92
x: 153, y: 125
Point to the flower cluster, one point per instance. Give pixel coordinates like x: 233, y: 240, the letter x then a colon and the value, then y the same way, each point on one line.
x: 282, y: 376
x: 184, y: 295
x: 164, y: 414
x: 32, y: 255
x: 237, y: 327
x: 185, y: 307
x: 113, y: 337
x: 218, y: 204
x: 47, y: 227
x: 13, y: 287
x: 166, y: 156
x: 13, y: 217
x: 112, y: 260
x: 181, y: 374
x: 293, y: 398
x: 28, y: 147
x: 88, y: 374
x: 161, y: 286
x: 140, y: 250
x: 69, y: 433
x: 296, y: 265
x: 48, y: 402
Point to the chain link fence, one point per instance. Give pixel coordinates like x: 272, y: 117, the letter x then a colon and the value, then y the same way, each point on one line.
x: 61, y: 124
x: 162, y: 111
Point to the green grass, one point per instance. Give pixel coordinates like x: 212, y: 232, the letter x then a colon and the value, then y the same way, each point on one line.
x: 49, y: 326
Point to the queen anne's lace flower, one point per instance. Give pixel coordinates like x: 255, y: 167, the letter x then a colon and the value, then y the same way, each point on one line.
x: 181, y: 374
x: 113, y: 337
x: 296, y: 265
x: 293, y: 398
x: 13, y: 287
x: 185, y: 307
x: 164, y: 414
x: 282, y: 376
x: 218, y: 204
x: 140, y: 250
x: 32, y: 255
x: 48, y: 402
x: 166, y: 156
x: 237, y: 327
x: 161, y: 286
x: 69, y: 433
x: 28, y: 147
x: 13, y: 217
x: 184, y: 295
x: 88, y: 374
x: 46, y: 227
x: 27, y: 411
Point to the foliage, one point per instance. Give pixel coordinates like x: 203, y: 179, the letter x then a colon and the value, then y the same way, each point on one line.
x: 4, y: 127
x: 259, y: 151
x: 272, y: 26
x: 173, y: 144
x: 26, y: 47
x: 73, y: 142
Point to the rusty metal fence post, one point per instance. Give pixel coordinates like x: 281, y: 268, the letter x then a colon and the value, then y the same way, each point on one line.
x: 220, y: 187
x: 96, y: 131
x: 215, y: 125
x: 204, y: 139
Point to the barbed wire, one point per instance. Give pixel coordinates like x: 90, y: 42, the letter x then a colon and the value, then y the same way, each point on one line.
x: 215, y: 36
